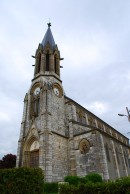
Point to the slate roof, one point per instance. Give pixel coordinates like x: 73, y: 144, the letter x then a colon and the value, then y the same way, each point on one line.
x: 48, y: 38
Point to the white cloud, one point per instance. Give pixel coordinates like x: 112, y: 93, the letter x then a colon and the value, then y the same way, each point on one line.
x: 98, y: 108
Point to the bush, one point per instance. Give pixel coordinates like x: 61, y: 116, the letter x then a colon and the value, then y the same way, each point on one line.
x: 67, y: 189
x: 72, y: 180
x: 21, y: 180
x: 94, y: 178
x: 120, y: 186
x: 51, y: 188
x: 75, y: 180
x: 82, y: 180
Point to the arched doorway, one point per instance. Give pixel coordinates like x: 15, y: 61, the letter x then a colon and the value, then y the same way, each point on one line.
x: 31, y: 155
x: 34, y: 154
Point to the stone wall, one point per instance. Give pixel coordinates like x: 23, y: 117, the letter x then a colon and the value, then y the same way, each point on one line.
x: 93, y: 160
x: 59, y: 158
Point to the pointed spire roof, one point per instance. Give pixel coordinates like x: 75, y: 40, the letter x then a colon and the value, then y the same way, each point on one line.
x: 48, y: 38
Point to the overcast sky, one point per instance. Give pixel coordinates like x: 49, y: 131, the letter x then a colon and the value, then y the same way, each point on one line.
x: 93, y: 37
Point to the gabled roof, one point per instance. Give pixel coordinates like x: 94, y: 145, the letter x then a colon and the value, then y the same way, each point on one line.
x: 48, y: 38
x: 69, y: 99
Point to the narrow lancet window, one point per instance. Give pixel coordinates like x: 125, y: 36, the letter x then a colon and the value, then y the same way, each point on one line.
x: 38, y: 64
x: 36, y: 105
x: 35, y: 102
x: 47, y: 62
x: 55, y: 64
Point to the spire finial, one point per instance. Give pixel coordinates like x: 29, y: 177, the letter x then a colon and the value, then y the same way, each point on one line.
x: 49, y: 24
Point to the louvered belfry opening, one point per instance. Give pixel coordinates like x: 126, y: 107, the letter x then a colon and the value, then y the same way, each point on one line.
x: 55, y: 64
x: 38, y: 63
x: 47, y: 62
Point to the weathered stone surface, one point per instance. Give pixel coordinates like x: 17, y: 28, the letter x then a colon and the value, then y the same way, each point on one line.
x: 61, y: 129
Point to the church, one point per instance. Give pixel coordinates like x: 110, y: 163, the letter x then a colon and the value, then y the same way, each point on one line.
x: 59, y: 135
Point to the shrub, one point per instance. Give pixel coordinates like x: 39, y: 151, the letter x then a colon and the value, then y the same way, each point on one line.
x: 82, y: 180
x: 68, y: 189
x: 21, y: 180
x: 120, y: 186
x: 94, y: 178
x: 75, y: 180
x: 72, y: 180
x: 51, y: 187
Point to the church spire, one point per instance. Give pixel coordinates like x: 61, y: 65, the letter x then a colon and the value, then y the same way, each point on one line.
x: 47, y: 56
x: 48, y: 38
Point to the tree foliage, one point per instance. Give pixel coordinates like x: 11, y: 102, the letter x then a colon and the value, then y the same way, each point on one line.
x: 8, y: 161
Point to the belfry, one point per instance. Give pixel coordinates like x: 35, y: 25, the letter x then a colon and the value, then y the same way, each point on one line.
x: 59, y: 135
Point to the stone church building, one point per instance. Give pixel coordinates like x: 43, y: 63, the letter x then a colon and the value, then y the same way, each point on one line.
x: 59, y: 135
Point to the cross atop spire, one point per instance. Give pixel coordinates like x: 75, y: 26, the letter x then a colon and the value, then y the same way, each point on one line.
x: 49, y: 25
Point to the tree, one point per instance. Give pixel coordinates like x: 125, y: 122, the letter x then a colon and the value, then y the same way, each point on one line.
x: 1, y: 164
x: 8, y: 161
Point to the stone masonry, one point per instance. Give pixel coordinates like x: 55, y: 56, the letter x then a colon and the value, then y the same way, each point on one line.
x: 59, y: 135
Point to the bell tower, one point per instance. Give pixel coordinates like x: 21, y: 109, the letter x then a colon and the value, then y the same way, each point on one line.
x: 43, y: 141
x: 47, y: 56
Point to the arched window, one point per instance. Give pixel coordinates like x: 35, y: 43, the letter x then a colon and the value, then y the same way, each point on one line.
x: 107, y: 152
x: 35, y: 102
x: 81, y: 117
x: 47, y: 62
